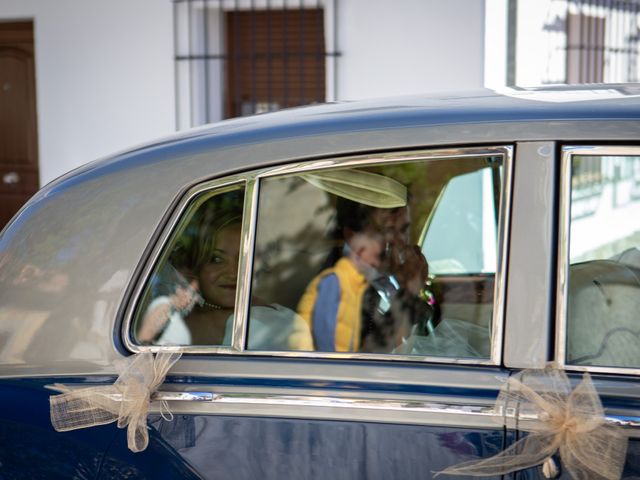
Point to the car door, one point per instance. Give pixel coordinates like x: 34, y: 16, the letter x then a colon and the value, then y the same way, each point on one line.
x: 598, y: 284
x: 261, y: 398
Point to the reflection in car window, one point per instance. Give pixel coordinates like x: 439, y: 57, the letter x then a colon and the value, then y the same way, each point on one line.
x: 603, y: 298
x: 466, y: 215
x: 349, y: 250
x: 190, y: 299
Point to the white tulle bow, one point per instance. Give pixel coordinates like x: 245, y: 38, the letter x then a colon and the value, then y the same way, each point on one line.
x: 126, y: 401
x: 558, y: 420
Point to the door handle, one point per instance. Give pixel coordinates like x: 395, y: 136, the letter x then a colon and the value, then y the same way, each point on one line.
x: 11, y: 178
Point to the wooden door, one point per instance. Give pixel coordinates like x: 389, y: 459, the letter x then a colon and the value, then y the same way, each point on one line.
x: 18, y: 130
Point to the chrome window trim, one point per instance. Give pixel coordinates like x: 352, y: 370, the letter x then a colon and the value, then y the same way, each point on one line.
x: 158, y: 249
x: 251, y: 181
x: 564, y: 229
x: 245, y: 267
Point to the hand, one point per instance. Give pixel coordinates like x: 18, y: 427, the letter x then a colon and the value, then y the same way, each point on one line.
x: 184, y: 298
x: 409, y: 267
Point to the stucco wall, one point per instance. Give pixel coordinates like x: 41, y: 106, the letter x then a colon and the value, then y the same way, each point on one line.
x: 409, y: 46
x: 104, y: 76
x: 105, y: 69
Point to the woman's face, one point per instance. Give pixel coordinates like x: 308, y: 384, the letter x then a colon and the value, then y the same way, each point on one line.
x: 217, y: 279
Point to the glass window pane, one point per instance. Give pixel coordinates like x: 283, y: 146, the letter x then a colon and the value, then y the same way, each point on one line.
x: 370, y: 259
x: 190, y: 298
x: 604, y: 277
x: 465, y: 214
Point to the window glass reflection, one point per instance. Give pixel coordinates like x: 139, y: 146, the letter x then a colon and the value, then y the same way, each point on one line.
x: 604, y: 275
x: 190, y: 299
x: 351, y: 250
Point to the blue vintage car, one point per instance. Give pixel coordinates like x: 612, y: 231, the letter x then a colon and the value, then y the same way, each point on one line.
x: 350, y: 286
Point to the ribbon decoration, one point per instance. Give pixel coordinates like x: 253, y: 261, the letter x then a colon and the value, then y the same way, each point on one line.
x: 126, y: 401
x: 570, y: 423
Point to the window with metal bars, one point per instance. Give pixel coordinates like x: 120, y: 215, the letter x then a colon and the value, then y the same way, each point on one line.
x: 585, y: 48
x: 585, y: 41
x: 236, y: 58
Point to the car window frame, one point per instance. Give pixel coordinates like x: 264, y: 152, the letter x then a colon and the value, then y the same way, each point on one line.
x: 251, y: 181
x: 563, y: 261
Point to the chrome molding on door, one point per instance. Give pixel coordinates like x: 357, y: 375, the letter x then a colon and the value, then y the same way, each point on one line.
x: 403, y: 405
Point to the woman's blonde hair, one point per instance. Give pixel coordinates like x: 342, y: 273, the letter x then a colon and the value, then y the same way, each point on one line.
x: 194, y: 248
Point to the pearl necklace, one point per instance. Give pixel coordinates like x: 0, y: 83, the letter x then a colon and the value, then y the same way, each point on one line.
x: 212, y: 306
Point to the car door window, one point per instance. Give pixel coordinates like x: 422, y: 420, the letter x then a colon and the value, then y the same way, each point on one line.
x: 392, y: 258
x: 395, y: 257
x: 190, y: 296
x: 603, y: 260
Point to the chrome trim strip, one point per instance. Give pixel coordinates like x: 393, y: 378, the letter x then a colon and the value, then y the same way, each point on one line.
x: 167, y: 231
x: 181, y: 397
x: 242, y: 298
x: 500, y: 281
x: 564, y: 230
x: 623, y: 421
x: 564, y: 217
x: 353, y: 403
x: 368, y: 160
x: 404, y: 405
x: 245, y: 267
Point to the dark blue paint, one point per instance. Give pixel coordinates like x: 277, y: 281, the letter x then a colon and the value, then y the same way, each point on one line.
x: 31, y: 448
x: 226, y: 447
x: 276, y: 448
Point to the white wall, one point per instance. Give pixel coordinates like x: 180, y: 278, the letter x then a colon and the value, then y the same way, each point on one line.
x: 495, y: 43
x: 104, y: 76
x: 105, y: 69
x: 409, y: 46
x: 539, y: 54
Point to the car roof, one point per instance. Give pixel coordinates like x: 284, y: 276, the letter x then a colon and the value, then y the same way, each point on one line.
x: 538, y: 106
x: 561, y: 102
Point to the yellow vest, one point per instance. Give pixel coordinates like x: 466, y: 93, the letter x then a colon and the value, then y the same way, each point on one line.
x: 352, y: 287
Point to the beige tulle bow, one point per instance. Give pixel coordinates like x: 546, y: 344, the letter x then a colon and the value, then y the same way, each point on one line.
x: 570, y: 423
x: 126, y: 401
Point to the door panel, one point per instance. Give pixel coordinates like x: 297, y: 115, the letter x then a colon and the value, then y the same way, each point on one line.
x: 36, y: 450
x: 275, y: 448
x: 619, y: 396
x: 262, y: 426
x: 598, y: 286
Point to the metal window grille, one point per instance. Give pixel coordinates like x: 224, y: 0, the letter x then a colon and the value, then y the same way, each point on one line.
x: 240, y: 57
x: 602, y: 41
x: 587, y: 41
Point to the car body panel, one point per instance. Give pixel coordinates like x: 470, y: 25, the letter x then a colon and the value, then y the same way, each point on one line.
x: 72, y: 258
x: 113, y: 229
x: 532, y: 244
